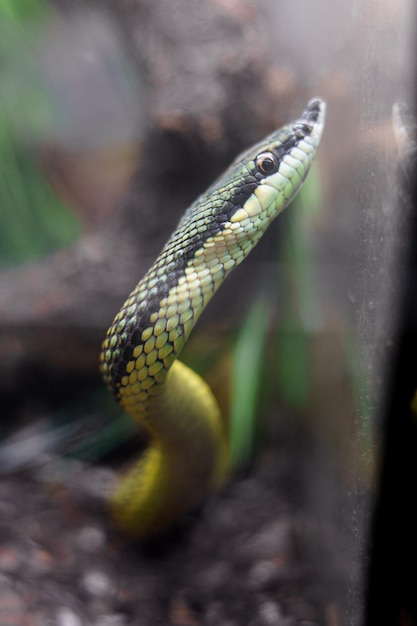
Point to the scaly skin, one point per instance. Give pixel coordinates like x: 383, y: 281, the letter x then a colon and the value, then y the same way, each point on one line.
x: 188, y: 453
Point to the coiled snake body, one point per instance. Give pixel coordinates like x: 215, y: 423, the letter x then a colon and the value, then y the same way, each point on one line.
x: 187, y: 457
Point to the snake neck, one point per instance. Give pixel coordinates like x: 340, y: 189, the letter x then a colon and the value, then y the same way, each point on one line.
x: 149, y: 332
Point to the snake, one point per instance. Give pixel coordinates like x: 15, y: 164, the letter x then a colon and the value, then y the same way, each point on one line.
x: 187, y: 456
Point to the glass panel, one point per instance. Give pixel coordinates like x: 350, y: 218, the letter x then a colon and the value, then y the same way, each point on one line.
x: 295, y: 346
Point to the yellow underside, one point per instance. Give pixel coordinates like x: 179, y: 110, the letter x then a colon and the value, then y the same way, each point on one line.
x: 187, y: 458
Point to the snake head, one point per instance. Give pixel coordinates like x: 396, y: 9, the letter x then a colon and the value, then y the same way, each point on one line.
x: 268, y: 176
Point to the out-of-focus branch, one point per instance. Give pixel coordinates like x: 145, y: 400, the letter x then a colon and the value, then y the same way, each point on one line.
x: 208, y: 93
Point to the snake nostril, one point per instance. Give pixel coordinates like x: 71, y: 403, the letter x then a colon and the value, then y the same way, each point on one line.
x: 302, y: 130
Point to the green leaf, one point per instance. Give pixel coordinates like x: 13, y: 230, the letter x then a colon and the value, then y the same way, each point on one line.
x: 248, y: 362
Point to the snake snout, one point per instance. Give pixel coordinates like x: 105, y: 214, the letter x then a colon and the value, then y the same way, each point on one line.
x: 314, y: 116
x: 314, y: 110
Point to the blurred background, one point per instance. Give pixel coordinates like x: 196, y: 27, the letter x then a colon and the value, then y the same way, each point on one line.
x: 114, y: 116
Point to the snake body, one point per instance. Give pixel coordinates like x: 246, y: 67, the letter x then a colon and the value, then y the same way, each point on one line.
x: 187, y: 456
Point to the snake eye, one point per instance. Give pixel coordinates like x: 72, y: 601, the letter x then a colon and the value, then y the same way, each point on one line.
x: 267, y: 163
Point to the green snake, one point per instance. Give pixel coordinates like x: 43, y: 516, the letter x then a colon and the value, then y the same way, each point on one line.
x: 188, y: 452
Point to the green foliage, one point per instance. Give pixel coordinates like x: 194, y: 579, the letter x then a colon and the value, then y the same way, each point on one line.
x: 247, y: 375
x: 293, y: 368
x: 114, y: 429
x: 33, y: 221
x: 19, y: 10
x: 300, y: 306
x: 291, y: 359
